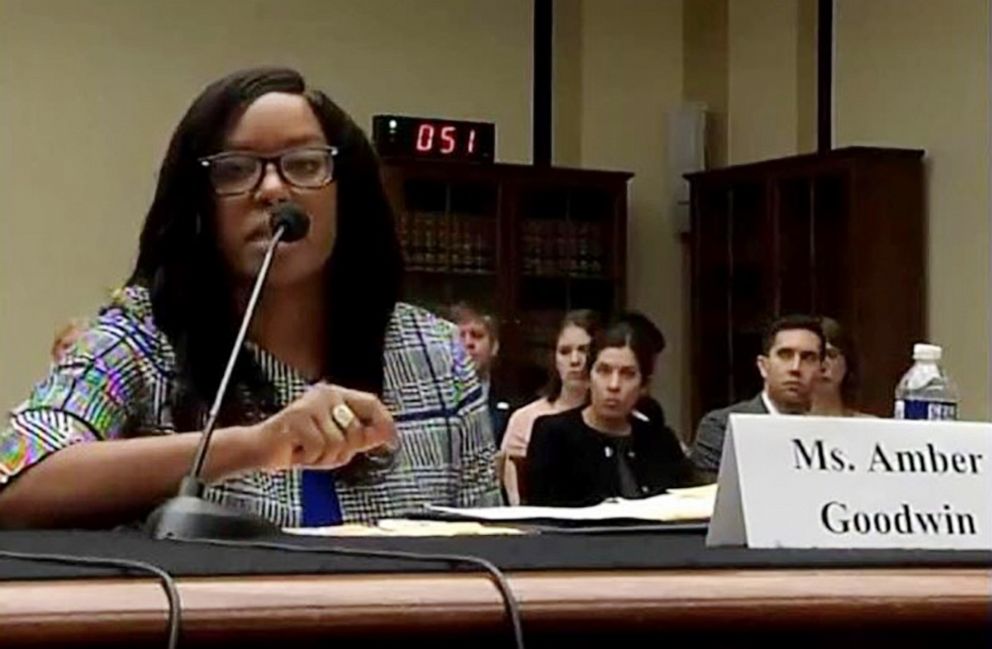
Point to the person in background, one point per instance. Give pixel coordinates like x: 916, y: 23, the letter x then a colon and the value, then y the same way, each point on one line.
x: 791, y: 361
x: 835, y: 390
x: 340, y: 406
x: 66, y: 337
x: 567, y: 388
x: 586, y: 455
x: 647, y: 406
x: 479, y: 333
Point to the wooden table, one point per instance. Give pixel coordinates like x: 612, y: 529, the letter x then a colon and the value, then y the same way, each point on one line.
x: 837, y: 607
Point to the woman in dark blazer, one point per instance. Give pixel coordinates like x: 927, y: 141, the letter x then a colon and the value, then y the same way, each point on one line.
x: 604, y: 450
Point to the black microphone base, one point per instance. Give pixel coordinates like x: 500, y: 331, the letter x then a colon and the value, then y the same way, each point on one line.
x: 189, y: 517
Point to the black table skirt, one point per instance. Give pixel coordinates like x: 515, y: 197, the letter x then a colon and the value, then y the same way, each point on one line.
x: 624, y: 550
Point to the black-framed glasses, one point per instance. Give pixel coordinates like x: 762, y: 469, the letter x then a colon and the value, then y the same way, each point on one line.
x: 239, y: 172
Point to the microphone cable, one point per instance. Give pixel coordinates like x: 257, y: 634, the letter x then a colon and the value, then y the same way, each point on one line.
x: 167, y: 581
x: 510, y: 605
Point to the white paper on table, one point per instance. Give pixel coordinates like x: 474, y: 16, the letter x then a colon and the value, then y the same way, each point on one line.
x: 405, y: 527
x: 680, y: 505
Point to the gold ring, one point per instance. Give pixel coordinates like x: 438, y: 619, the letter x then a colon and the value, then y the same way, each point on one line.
x: 343, y: 416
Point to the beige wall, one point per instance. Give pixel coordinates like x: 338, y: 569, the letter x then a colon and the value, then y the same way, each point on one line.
x: 631, y: 77
x: 771, y: 78
x: 704, y: 70
x: 915, y: 73
x: 806, y: 61
x: 566, y: 78
x: 90, y: 92
x: 762, y: 79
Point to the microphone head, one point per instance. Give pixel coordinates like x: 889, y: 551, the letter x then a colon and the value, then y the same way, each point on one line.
x: 292, y: 219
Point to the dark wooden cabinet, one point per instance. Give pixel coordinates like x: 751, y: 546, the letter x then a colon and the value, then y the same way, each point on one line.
x: 840, y: 233
x: 524, y: 243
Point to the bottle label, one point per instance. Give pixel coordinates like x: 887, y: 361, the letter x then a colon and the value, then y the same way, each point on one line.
x: 928, y: 410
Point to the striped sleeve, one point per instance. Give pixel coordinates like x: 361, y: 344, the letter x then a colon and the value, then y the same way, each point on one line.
x: 94, y: 392
x: 477, y: 484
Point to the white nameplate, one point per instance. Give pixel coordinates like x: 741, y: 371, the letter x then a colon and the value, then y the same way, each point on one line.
x: 826, y: 482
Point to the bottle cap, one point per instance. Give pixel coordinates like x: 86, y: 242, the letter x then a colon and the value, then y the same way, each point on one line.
x: 925, y: 352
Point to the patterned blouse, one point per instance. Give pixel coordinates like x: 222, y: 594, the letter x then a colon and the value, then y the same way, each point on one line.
x: 117, y: 381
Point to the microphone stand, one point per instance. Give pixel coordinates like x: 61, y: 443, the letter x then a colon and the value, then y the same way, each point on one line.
x: 189, y: 515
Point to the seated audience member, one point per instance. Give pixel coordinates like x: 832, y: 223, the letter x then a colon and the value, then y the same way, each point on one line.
x: 647, y: 407
x: 586, y: 455
x: 337, y: 409
x: 479, y: 334
x: 567, y: 389
x: 790, y: 362
x: 66, y: 337
x: 835, y: 391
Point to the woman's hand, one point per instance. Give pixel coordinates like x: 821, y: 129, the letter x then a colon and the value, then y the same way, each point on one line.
x: 325, y: 428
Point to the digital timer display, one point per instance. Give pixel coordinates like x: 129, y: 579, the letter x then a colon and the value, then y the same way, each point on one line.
x: 434, y: 138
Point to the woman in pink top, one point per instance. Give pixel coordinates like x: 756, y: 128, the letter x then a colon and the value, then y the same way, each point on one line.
x: 567, y: 389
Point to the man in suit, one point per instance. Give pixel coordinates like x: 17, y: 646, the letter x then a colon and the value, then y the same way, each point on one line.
x: 790, y: 360
x: 479, y: 334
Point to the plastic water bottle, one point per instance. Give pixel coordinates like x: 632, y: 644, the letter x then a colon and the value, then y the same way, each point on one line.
x: 925, y: 391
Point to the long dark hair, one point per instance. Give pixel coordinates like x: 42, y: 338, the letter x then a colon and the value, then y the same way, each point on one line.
x: 584, y: 319
x: 839, y: 337
x: 191, y: 293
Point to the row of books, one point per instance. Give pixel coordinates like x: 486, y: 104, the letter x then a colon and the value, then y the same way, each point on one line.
x: 559, y: 247
x: 438, y: 242
x: 452, y: 243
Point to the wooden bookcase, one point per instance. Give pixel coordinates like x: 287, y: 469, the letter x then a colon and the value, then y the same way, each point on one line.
x: 524, y: 243
x: 840, y: 233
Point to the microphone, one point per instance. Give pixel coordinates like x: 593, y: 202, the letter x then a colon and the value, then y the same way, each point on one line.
x: 188, y: 515
x: 292, y: 219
